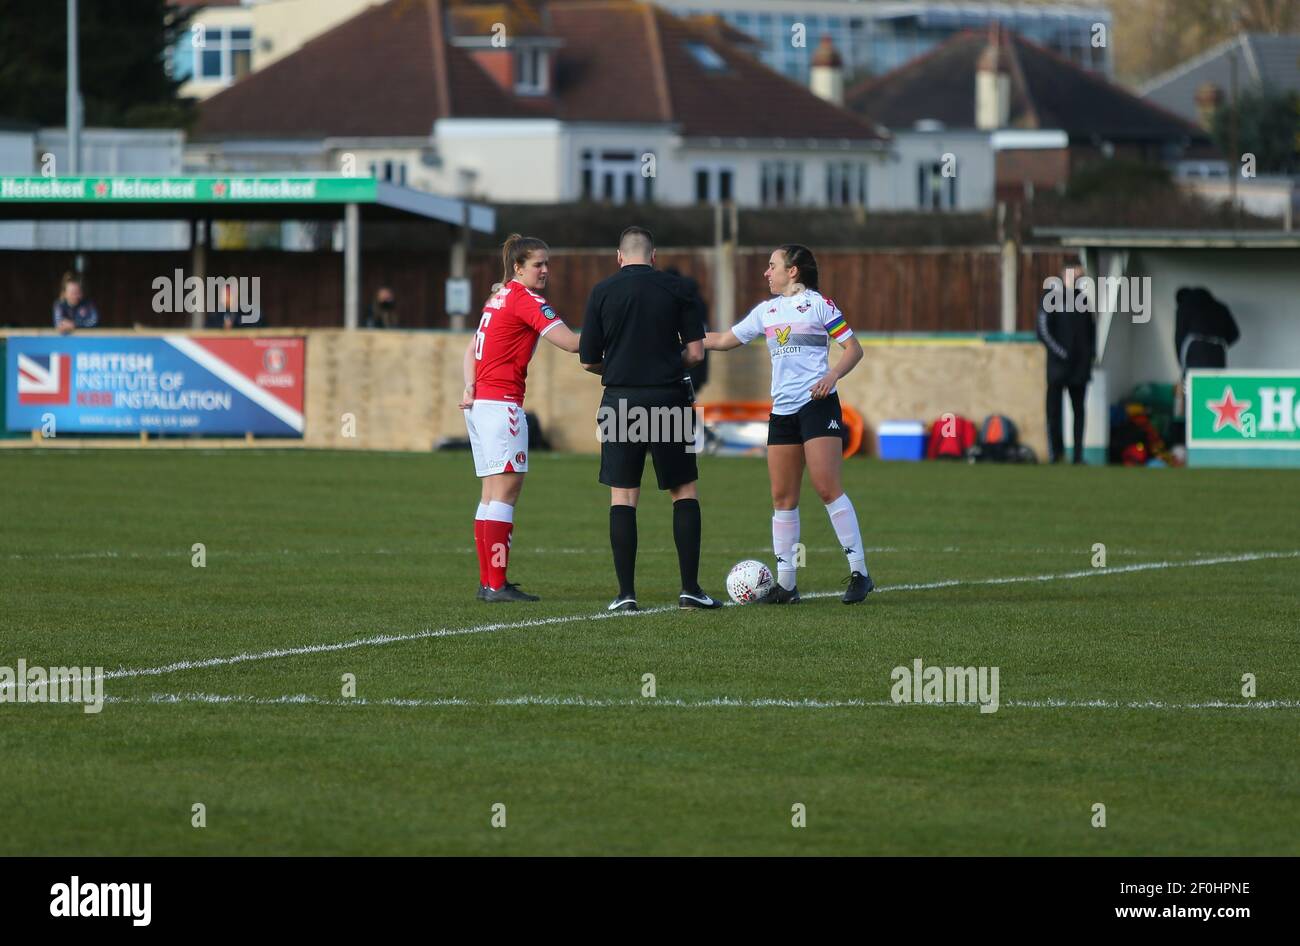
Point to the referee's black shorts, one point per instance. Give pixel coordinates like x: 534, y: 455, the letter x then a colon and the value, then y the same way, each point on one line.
x: 666, y: 432
x: 819, y: 418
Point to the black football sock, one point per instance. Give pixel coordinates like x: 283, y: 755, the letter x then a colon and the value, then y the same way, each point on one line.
x: 622, y: 539
x: 686, y: 534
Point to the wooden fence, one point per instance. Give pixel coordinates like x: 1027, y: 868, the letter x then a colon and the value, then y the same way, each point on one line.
x: 906, y: 290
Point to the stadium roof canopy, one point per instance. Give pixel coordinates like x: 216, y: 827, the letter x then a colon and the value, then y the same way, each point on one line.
x: 267, y: 198
x: 1173, y: 239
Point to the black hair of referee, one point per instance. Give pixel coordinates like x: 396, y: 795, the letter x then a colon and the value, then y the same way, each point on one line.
x: 642, y: 331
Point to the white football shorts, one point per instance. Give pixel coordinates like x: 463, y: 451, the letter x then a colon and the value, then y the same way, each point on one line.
x: 498, y: 436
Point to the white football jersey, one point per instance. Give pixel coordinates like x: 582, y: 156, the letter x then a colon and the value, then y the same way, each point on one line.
x: 799, y: 330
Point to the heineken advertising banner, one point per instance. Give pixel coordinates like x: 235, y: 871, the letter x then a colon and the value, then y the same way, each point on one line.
x: 167, y: 384
x: 255, y: 190
x: 1243, y: 418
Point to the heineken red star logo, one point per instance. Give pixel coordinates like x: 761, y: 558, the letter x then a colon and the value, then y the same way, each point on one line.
x: 219, y: 189
x: 101, y: 189
x: 1227, y: 410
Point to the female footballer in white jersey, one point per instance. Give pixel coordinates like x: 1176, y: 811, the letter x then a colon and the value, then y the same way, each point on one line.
x: 806, y: 426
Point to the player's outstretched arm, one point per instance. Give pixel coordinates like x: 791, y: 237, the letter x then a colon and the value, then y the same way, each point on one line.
x: 721, y: 341
x: 563, y: 338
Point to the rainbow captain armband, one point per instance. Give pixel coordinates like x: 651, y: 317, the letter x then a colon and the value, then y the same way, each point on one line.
x: 837, y: 328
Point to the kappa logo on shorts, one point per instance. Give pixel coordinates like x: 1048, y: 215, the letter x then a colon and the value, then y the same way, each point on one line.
x: 521, y: 458
x: 833, y: 425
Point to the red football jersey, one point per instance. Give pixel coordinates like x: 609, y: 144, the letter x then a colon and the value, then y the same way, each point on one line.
x: 513, y: 320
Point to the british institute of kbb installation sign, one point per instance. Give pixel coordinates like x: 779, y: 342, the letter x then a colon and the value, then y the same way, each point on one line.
x: 168, y: 384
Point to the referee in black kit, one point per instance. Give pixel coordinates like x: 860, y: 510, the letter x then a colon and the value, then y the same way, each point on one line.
x: 643, y: 329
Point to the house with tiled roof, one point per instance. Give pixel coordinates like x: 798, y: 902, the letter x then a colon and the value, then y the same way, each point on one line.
x: 531, y: 101
x: 992, y: 116
x: 1198, y: 89
x: 1194, y: 89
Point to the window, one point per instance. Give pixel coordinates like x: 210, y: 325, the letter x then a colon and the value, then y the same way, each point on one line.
x: 713, y: 184
x: 210, y: 53
x: 934, y: 191
x: 846, y: 184
x: 530, y: 71
x: 388, y: 170
x: 781, y: 183
x: 213, y: 54
x: 612, y: 176
x: 241, y: 52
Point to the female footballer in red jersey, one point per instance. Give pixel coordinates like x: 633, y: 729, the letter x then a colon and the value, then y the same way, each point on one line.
x: 496, y: 365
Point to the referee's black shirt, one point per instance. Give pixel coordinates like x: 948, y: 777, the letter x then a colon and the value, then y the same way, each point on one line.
x: 637, y: 322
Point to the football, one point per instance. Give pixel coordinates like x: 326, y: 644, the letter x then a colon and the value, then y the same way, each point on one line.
x: 749, y: 581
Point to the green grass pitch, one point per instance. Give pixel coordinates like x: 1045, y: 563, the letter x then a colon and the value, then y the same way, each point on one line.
x: 1112, y: 682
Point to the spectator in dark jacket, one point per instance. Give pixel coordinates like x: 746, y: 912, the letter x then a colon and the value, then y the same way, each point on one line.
x: 72, y: 310
x: 1071, y: 341
x: 1203, y: 330
x: 382, y: 313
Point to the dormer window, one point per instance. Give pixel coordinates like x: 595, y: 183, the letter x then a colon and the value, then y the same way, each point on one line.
x: 531, y: 72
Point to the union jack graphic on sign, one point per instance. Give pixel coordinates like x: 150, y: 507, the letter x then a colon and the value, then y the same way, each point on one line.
x: 44, y: 379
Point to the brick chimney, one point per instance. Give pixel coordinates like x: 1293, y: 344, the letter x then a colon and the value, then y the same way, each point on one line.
x: 993, y: 84
x: 1209, y: 97
x: 827, y: 76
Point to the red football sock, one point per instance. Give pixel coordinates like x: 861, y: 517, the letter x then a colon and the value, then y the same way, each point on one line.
x: 480, y: 546
x: 496, y: 550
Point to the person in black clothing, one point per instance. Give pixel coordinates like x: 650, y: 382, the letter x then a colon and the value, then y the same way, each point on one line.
x: 382, y: 313
x: 1071, y: 341
x: 699, y: 373
x: 643, y: 329
x: 1204, y: 329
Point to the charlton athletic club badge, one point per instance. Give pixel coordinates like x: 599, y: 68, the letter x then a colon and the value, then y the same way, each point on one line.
x: 520, y: 457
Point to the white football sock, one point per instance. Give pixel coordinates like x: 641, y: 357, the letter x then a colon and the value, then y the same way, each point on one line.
x: 499, y: 512
x: 785, y: 535
x: 845, y: 523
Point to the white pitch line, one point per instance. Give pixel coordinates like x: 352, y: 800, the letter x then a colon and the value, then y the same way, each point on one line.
x: 379, y: 640
x: 721, y: 702
x: 1081, y: 573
